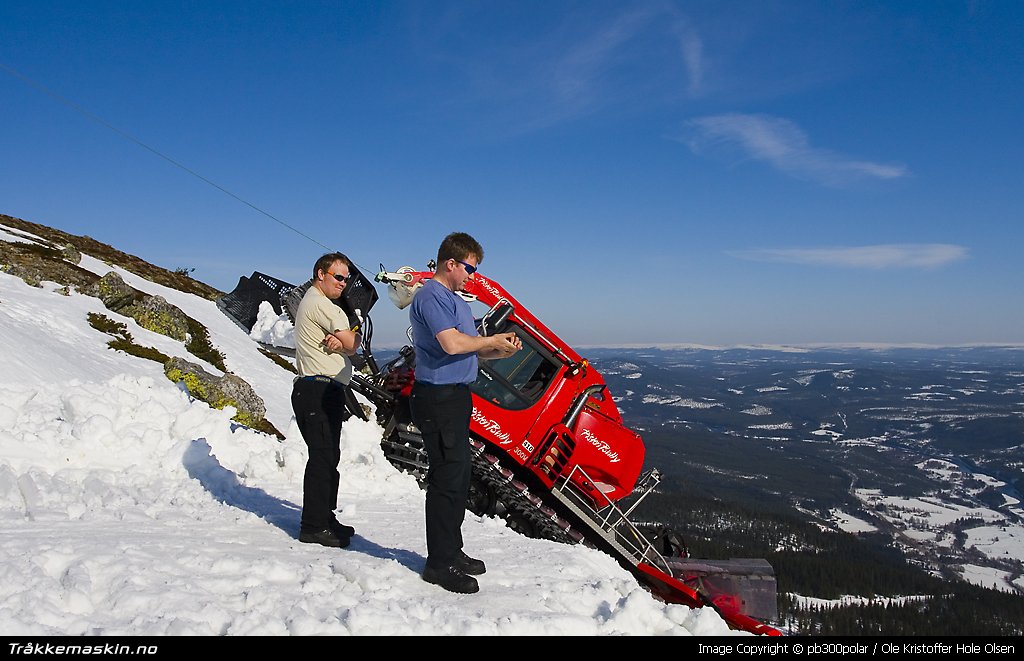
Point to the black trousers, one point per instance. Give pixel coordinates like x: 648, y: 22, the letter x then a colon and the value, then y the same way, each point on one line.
x: 442, y: 414
x: 319, y: 406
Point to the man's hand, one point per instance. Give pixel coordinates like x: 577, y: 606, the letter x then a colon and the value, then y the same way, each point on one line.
x: 333, y: 344
x: 505, y: 344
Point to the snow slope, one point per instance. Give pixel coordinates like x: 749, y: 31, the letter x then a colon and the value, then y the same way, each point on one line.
x: 127, y: 508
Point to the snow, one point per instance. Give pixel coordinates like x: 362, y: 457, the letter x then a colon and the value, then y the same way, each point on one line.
x: 987, y: 577
x: 272, y: 328
x: 929, y: 510
x: 848, y: 600
x: 849, y: 523
x: 128, y: 508
x: 996, y: 541
x: 14, y: 236
x: 675, y: 400
x: 932, y: 521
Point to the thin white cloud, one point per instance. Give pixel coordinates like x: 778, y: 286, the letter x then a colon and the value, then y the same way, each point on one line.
x: 643, y: 54
x: 582, y: 71
x: 577, y: 72
x: 883, y: 256
x: 783, y: 145
x: 691, y: 48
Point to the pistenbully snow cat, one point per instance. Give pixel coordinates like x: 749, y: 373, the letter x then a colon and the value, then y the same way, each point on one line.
x: 551, y: 454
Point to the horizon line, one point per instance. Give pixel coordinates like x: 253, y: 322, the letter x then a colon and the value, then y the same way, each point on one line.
x: 807, y: 346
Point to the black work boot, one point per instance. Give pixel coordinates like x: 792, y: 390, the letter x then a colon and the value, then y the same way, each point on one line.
x: 451, y: 579
x: 325, y: 537
x: 468, y: 565
x: 341, y: 530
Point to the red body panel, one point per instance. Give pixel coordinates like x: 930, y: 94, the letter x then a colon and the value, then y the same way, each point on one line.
x: 612, y: 455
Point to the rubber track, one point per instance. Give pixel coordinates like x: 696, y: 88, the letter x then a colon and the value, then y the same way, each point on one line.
x: 517, y: 499
x: 512, y: 493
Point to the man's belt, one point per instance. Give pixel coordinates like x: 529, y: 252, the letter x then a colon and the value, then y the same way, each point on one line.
x: 322, y: 379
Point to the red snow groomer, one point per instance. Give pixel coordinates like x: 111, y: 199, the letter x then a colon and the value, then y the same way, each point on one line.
x: 554, y: 459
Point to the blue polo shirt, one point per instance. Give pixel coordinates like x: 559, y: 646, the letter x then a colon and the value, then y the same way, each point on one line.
x: 436, y: 308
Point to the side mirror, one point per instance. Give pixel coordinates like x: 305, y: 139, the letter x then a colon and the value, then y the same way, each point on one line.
x: 496, y: 319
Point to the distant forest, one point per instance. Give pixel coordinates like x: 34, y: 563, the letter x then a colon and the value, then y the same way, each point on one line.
x: 811, y: 562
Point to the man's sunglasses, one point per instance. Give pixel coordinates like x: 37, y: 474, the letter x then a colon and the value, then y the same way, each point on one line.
x: 340, y: 278
x: 470, y: 269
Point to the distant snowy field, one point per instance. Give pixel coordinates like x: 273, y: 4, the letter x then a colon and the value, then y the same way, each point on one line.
x: 126, y: 507
x: 926, y: 521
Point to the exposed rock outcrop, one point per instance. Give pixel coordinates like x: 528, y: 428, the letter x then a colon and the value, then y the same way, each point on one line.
x: 151, y: 312
x: 219, y: 391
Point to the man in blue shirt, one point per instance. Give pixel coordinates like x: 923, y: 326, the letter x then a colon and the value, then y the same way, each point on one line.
x: 447, y: 348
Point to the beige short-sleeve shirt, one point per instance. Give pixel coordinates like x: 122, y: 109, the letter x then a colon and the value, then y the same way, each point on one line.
x: 318, y: 315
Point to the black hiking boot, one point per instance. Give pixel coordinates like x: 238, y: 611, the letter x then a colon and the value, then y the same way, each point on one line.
x: 451, y: 579
x: 325, y: 537
x: 341, y: 530
x: 468, y: 565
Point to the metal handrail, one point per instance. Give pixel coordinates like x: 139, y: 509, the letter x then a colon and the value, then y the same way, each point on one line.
x: 622, y: 529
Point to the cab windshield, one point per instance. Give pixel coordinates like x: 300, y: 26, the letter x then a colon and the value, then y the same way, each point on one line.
x: 516, y: 382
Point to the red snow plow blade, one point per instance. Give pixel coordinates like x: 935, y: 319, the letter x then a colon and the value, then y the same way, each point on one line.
x: 741, y: 590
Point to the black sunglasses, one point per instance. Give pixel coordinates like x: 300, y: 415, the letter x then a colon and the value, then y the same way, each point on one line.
x: 340, y: 278
x: 470, y: 269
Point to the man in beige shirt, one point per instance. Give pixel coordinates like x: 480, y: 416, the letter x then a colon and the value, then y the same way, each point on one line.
x: 323, y: 341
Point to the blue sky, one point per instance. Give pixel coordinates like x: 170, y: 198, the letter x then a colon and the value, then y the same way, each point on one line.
x: 655, y: 172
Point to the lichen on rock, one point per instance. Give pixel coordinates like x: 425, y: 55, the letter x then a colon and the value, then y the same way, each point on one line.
x: 151, y: 312
x: 113, y: 291
x: 219, y: 391
x: 156, y: 314
x: 70, y: 253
